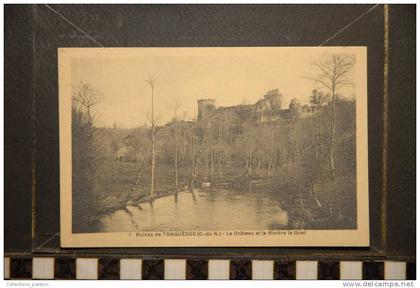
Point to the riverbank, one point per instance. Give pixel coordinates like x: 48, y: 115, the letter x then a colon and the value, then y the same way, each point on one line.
x: 328, y: 205
x: 323, y: 205
x: 114, y: 181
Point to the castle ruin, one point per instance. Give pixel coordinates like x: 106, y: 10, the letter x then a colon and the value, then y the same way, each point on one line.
x: 269, y: 108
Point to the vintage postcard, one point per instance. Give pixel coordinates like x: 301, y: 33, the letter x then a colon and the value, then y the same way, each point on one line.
x: 241, y: 146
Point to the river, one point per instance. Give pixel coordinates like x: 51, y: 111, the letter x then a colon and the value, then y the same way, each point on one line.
x: 209, y: 210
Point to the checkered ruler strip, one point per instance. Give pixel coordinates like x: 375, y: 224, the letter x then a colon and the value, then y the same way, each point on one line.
x: 22, y: 267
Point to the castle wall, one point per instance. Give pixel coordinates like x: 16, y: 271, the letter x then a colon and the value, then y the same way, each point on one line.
x: 268, y: 108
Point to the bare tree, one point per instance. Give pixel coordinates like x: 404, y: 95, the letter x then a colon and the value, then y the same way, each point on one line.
x: 333, y: 74
x: 176, y: 105
x: 271, y: 162
x: 85, y: 153
x: 151, y: 81
x: 85, y: 97
x: 317, y: 99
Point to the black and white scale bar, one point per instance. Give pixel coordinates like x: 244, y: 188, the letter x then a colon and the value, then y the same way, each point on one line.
x: 180, y: 269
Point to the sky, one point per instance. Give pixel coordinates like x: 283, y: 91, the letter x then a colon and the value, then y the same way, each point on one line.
x: 231, y: 76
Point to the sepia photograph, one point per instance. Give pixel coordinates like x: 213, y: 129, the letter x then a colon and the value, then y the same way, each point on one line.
x: 240, y: 146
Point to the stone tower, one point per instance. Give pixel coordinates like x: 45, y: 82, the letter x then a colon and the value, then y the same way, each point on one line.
x: 295, y: 108
x: 204, y: 107
x: 274, y: 98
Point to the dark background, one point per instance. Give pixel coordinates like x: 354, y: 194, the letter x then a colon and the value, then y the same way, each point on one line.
x: 34, y: 32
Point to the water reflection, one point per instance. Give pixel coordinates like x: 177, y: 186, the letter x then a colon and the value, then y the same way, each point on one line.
x: 211, y: 210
